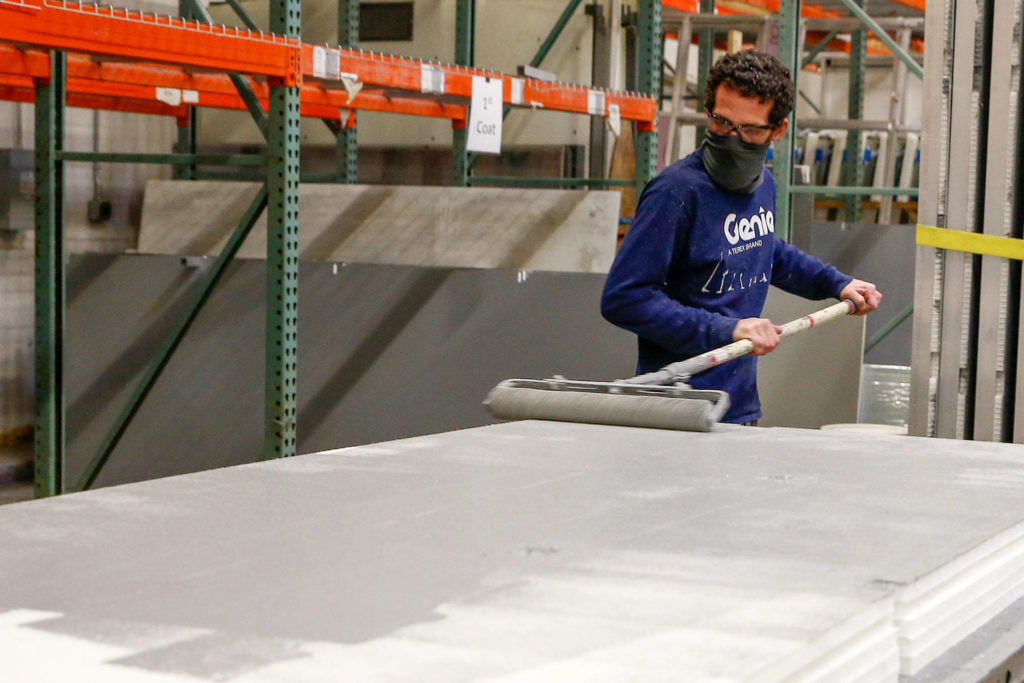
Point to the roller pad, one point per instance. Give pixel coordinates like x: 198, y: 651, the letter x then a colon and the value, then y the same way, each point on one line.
x: 681, y: 414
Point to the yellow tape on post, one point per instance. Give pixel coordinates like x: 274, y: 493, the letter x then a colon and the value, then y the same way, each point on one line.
x: 971, y: 242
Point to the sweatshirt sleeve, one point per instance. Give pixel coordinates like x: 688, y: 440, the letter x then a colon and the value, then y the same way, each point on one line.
x: 635, y: 296
x: 804, y: 275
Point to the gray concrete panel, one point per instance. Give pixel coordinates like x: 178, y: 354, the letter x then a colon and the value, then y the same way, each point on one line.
x: 546, y: 550
x: 385, y: 352
x: 558, y: 230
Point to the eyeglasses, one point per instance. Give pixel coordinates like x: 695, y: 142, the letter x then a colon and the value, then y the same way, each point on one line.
x: 748, y: 132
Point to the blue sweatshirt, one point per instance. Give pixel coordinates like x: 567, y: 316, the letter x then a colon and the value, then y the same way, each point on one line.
x: 697, y: 259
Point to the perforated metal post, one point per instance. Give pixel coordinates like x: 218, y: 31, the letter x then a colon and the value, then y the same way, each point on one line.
x: 648, y: 83
x: 282, y: 249
x: 853, y: 170
x: 50, y: 280
x: 465, y: 29
x: 782, y: 156
x: 705, y: 59
x: 187, y: 126
x: 347, y: 149
x: 186, y: 144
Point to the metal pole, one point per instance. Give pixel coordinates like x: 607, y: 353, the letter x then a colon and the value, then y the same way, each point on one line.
x: 853, y: 170
x: 896, y: 107
x: 282, y: 250
x: 347, y: 149
x: 600, y: 76
x: 685, y: 36
x: 465, y: 23
x: 179, y: 159
x: 187, y: 126
x: 782, y: 159
x: 855, y: 9
x: 705, y: 57
x: 649, y: 83
x: 513, y: 181
x: 50, y: 281
x: 186, y: 145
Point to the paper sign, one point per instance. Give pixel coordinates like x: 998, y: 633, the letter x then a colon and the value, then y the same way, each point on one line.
x: 431, y: 79
x: 517, y: 90
x: 595, y: 102
x: 485, y: 114
x: 614, y: 119
x: 319, y: 61
x: 190, y: 96
x: 326, y: 62
x: 333, y: 65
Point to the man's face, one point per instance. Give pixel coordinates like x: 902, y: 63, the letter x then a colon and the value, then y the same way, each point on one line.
x: 740, y: 110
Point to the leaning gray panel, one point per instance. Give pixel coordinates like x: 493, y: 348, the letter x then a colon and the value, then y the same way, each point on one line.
x: 560, y: 230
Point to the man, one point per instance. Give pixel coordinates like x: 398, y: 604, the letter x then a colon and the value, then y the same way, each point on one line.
x: 693, y: 271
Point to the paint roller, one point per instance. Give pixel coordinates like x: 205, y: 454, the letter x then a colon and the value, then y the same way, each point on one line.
x: 660, y: 399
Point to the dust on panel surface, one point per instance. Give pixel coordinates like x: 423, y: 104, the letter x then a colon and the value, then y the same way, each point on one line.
x: 532, y: 548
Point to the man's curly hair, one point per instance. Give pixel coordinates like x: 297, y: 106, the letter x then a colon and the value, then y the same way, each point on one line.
x: 753, y: 74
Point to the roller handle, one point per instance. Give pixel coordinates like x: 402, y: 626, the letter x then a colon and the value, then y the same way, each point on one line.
x: 684, y: 369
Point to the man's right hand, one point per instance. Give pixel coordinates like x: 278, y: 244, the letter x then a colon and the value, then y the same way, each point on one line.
x: 762, y: 332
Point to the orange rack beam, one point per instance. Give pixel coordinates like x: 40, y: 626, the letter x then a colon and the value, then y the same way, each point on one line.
x: 126, y: 34
x: 128, y: 82
x: 101, y: 30
x: 875, y: 46
x: 434, y: 79
x: 20, y: 89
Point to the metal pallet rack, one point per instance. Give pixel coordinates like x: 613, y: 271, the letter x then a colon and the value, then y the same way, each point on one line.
x: 791, y: 25
x: 144, y: 63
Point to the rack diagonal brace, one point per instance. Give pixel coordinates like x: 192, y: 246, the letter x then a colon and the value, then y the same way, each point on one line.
x: 252, y: 103
x: 162, y: 358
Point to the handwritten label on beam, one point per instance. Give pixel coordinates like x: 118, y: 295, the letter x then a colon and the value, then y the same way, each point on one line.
x: 485, y: 115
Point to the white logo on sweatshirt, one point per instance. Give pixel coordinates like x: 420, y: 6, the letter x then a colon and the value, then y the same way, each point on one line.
x: 747, y: 228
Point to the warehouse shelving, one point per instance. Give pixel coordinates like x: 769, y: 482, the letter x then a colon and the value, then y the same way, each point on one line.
x: 152, y: 89
x: 802, y: 25
x: 101, y: 57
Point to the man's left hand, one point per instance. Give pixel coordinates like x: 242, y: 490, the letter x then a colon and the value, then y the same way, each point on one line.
x: 864, y: 294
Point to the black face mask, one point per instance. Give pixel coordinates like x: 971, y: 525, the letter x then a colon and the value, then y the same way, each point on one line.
x: 734, y: 165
